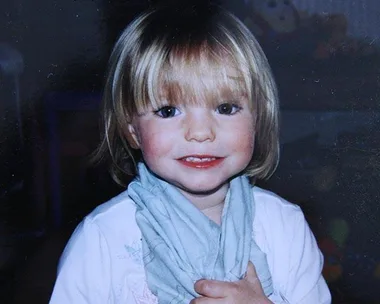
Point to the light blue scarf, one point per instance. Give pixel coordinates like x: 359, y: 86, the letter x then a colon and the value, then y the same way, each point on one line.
x: 182, y: 245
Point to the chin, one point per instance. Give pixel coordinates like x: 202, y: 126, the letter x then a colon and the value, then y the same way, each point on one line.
x: 202, y: 189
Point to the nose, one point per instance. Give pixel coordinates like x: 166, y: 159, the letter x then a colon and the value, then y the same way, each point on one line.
x: 200, y: 126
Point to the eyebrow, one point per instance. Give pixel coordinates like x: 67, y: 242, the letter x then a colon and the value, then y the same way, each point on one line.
x: 236, y: 99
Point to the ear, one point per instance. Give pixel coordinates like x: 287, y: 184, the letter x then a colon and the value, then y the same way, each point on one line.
x: 132, y: 137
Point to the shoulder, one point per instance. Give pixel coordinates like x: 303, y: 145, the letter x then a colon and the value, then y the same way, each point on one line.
x: 105, y: 250
x: 106, y: 232
x: 294, y: 259
x: 276, y: 220
x: 107, y: 229
x: 121, y: 203
x: 269, y: 205
x: 115, y: 219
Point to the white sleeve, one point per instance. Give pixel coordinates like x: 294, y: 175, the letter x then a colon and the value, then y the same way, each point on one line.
x: 84, y: 269
x: 305, y: 283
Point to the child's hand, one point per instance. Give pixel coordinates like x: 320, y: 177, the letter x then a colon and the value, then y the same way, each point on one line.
x: 245, y: 291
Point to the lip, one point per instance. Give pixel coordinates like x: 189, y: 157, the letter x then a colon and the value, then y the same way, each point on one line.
x: 205, y: 164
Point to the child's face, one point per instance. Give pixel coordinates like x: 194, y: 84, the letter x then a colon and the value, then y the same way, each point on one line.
x: 199, y: 146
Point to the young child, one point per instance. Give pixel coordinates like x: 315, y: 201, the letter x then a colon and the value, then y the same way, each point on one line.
x: 191, y: 110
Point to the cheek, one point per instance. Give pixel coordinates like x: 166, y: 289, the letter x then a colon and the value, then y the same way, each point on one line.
x: 245, y: 145
x: 154, y: 144
x: 244, y: 139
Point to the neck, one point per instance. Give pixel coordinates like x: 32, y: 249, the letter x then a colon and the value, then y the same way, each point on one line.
x: 211, y: 205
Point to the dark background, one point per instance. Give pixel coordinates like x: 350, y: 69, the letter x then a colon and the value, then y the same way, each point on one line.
x: 53, y: 57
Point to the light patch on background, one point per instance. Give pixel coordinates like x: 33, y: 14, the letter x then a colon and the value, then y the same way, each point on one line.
x: 362, y: 15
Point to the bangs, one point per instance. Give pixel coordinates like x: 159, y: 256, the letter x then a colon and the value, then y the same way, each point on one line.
x: 201, y: 79
x: 196, y: 76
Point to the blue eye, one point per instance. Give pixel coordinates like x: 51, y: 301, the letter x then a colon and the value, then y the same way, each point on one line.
x: 167, y: 112
x: 228, y: 109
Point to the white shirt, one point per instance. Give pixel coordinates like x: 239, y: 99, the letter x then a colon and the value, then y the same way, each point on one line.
x: 102, y: 262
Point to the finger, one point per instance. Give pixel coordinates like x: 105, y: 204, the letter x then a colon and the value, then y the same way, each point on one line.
x: 204, y: 300
x: 252, y: 278
x: 213, y: 288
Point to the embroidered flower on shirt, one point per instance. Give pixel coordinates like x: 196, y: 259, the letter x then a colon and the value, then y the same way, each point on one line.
x: 146, y: 297
x: 135, y: 252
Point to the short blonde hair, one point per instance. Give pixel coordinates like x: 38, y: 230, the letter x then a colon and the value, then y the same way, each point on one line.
x: 161, y: 52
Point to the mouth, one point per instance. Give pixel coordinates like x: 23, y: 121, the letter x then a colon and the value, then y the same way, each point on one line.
x: 200, y: 161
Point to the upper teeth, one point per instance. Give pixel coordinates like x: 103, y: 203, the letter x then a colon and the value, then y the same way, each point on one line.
x: 197, y: 159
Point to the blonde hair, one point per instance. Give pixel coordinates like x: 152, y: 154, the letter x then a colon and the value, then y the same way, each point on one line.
x: 161, y: 53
